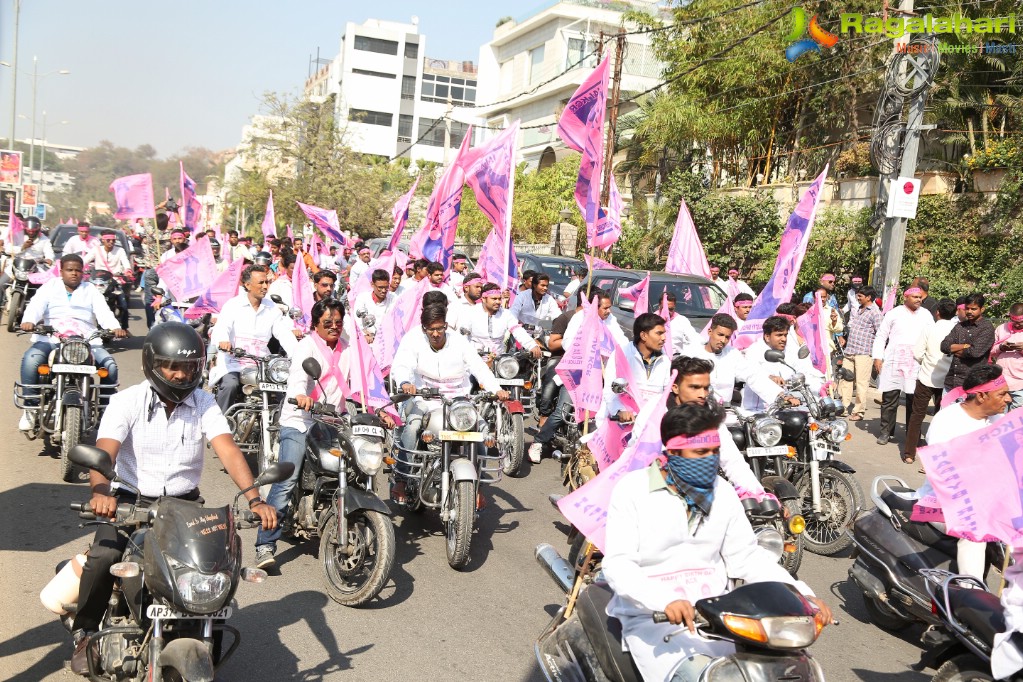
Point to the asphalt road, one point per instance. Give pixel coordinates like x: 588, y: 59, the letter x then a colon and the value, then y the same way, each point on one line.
x: 430, y: 622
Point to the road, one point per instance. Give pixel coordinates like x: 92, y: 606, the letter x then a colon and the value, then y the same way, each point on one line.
x: 430, y: 622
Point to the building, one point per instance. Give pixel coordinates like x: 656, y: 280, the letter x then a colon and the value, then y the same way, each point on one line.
x: 532, y: 66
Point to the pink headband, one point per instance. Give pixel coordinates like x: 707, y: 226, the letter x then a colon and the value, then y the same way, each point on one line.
x: 744, y: 304
x: 457, y: 259
x: 493, y: 293
x: 857, y: 280
x: 790, y: 318
x: 177, y: 233
x: 364, y: 250
x: 1014, y: 318
x: 828, y: 278
x: 913, y: 291
x: 957, y: 393
x: 706, y: 439
x: 733, y: 272
x: 471, y: 278
x: 961, y: 306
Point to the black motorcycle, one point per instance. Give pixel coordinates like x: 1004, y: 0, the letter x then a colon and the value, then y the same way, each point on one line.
x: 584, y: 644
x: 20, y: 290
x: 336, y: 501
x: 110, y: 287
x: 175, y: 583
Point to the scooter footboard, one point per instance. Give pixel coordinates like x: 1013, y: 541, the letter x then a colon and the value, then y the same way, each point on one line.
x: 744, y: 665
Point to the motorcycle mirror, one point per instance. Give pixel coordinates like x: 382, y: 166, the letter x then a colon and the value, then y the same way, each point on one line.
x: 158, y: 291
x: 804, y: 352
x: 311, y: 367
x: 276, y: 299
x: 772, y: 355
x: 275, y: 473
x: 619, y: 386
x: 91, y: 457
x: 295, y: 313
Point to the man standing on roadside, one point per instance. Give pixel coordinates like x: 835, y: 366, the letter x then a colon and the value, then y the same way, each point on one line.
x: 864, y: 322
x: 1007, y: 353
x: 969, y: 342
x: 929, y: 380
x: 828, y: 282
x: 929, y: 304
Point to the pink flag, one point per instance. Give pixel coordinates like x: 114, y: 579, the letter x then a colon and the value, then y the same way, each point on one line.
x: 400, y: 215
x: 727, y: 308
x: 491, y: 263
x: 365, y: 281
x: 403, y: 316
x: 779, y: 288
x: 302, y: 293
x: 586, y: 507
x: 224, y: 287
x: 686, y: 255
x: 890, y: 296
x: 597, y: 264
x: 639, y: 293
x: 291, y: 234
x: 46, y: 275
x: 366, y: 378
x: 581, y: 127
x: 326, y: 221
x: 490, y: 171
x: 435, y: 241
x: 316, y: 246
x: 134, y: 197
x: 580, y: 368
x: 191, y: 208
x: 269, y: 225
x: 624, y: 371
x: 189, y: 273
x: 811, y: 325
x: 978, y: 481
x: 608, y: 442
x: 16, y: 226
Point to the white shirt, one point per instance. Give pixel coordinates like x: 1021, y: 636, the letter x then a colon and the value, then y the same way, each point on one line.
x: 740, y: 286
x: 161, y: 455
x: 648, y: 383
x: 78, y: 311
x: 526, y: 312
x: 236, y: 252
x: 250, y: 329
x: 571, y: 289
x: 40, y: 250
x: 447, y: 370
x: 650, y: 562
x: 488, y: 332
x: 281, y: 287
x: 455, y: 281
x: 76, y: 244
x: 934, y: 364
x: 896, y: 338
x: 300, y: 383
x: 366, y: 302
x: 730, y: 365
x: 358, y: 267
x: 115, y: 262
x: 611, y: 324
x: 682, y: 334
x: 760, y: 390
x: 459, y: 312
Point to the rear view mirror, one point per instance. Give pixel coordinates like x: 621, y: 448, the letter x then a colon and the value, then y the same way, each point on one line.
x: 275, y: 473
x: 804, y: 352
x: 772, y: 355
x: 276, y: 299
x: 93, y: 458
x: 311, y: 367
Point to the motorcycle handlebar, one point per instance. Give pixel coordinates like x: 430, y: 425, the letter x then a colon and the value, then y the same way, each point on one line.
x: 318, y: 408
x: 247, y: 519
x: 124, y: 511
x: 660, y: 617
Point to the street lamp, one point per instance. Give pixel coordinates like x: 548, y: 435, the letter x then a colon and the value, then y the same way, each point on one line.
x: 42, y: 159
x: 35, y: 82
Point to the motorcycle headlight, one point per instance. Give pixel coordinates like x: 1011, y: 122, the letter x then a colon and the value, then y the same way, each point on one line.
x: 74, y: 352
x: 278, y: 369
x: 777, y: 632
x: 463, y: 417
x: 507, y: 367
x: 203, y: 592
x: 20, y: 275
x: 771, y: 540
x: 369, y: 456
x: 767, y: 431
x: 838, y: 431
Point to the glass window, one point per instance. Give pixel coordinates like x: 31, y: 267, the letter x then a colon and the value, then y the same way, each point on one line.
x: 470, y: 95
x: 470, y: 84
x: 535, y: 63
x: 367, y: 44
x: 408, y: 87
x: 443, y: 79
x: 576, y: 49
x: 458, y: 81
x: 458, y: 131
x: 373, y: 118
x: 411, y: 50
x: 428, y: 89
x: 441, y: 91
x: 457, y: 93
x: 428, y: 77
x: 377, y: 74
x: 404, y: 125
x: 431, y: 132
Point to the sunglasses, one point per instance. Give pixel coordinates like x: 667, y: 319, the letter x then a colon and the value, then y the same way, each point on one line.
x: 331, y: 324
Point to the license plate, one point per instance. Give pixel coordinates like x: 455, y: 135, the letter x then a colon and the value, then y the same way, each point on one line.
x: 821, y: 452
x: 366, y: 430
x: 464, y: 436
x: 278, y: 388
x: 773, y: 451
x: 510, y: 382
x: 166, y: 612
x: 73, y: 369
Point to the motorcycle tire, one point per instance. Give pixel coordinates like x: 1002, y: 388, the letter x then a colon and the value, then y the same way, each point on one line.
x: 357, y: 578
x: 459, y: 528
x: 14, y: 311
x: 513, y: 443
x: 963, y: 668
x: 72, y: 434
x: 841, y: 498
x: 883, y: 616
x: 791, y: 561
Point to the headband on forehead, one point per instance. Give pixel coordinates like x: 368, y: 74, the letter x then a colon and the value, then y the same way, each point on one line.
x: 790, y: 318
x: 177, y: 233
x: 471, y: 278
x: 705, y: 439
x: 857, y: 280
x: 733, y: 271
x: 744, y: 304
x: 913, y: 291
x: 458, y: 259
x: 364, y: 249
x: 957, y: 393
x: 961, y: 306
x: 493, y: 293
x: 827, y: 278
x: 1014, y: 318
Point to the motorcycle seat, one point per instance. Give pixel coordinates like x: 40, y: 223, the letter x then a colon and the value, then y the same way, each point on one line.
x: 897, y: 501
x: 605, y: 633
x: 925, y: 533
x: 980, y: 610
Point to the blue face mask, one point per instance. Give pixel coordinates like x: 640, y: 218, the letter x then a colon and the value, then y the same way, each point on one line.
x: 694, y: 478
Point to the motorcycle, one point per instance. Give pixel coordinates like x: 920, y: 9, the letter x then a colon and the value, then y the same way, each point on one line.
x: 174, y: 586
x: 891, y: 552
x: 830, y: 496
x: 335, y: 500
x: 448, y: 466
x: 174, y: 311
x: 508, y: 416
x: 532, y: 369
x: 21, y: 289
x: 582, y: 643
x: 69, y: 397
x: 254, y: 419
x: 110, y: 287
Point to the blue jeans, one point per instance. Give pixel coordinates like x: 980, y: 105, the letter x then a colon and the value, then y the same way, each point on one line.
x: 149, y: 279
x: 292, y: 449
x: 38, y: 353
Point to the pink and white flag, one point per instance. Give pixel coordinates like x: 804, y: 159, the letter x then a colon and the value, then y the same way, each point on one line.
x: 189, y: 273
x: 302, y: 295
x: 811, y: 325
x: 134, y: 196
x: 269, y: 225
x: 593, y: 263
x: 794, y: 241
x: 327, y: 222
x: 403, y: 316
x: 191, y: 209
x: 891, y: 295
x: 491, y: 263
x: 16, y: 226
x: 686, y: 255
x: 46, y: 275
x: 581, y: 369
x: 665, y: 314
x: 365, y: 376
x: 435, y: 241
x: 289, y: 231
x: 622, y: 370
x: 400, y: 215
x: 608, y: 442
x: 639, y: 294
x: 490, y: 171
x: 224, y: 287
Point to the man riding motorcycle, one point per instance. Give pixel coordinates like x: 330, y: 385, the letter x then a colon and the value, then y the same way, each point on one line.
x: 63, y: 303
x: 154, y: 433
x: 536, y: 306
x: 489, y: 324
x: 647, y: 364
x: 676, y: 533
x: 30, y: 244
x: 766, y: 379
x: 107, y: 255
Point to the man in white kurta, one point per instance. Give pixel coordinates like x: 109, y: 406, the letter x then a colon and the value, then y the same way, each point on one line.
x: 730, y: 364
x: 900, y: 330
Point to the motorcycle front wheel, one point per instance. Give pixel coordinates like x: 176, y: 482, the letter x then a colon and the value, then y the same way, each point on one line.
x: 462, y: 512
x: 963, y: 668
x: 355, y: 572
x: 14, y: 310
x: 72, y: 434
x: 841, y: 497
x: 511, y: 443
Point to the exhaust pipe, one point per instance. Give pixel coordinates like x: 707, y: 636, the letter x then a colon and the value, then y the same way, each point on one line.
x: 557, y: 568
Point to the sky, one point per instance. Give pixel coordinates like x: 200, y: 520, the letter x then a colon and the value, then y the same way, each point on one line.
x: 190, y: 73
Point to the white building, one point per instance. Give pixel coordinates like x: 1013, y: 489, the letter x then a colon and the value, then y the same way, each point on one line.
x: 538, y: 62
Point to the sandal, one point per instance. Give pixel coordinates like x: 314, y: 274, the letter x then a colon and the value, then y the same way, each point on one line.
x: 908, y: 459
x: 855, y: 417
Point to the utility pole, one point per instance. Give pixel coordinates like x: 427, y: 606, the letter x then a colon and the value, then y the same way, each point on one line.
x: 35, y: 89
x: 14, y: 74
x: 612, y: 115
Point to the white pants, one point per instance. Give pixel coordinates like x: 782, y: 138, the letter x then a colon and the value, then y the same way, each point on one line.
x: 970, y: 558
x: 658, y: 660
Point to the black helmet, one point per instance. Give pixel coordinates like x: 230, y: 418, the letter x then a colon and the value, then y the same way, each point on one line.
x: 263, y: 258
x: 214, y: 244
x: 175, y: 346
x: 32, y: 225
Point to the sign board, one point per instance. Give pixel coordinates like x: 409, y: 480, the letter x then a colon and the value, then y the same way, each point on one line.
x: 29, y: 194
x: 7, y: 195
x: 10, y: 167
x: 903, y: 197
x: 41, y: 211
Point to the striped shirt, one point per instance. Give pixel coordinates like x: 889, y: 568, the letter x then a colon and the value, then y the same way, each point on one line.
x: 862, y: 327
x: 161, y: 455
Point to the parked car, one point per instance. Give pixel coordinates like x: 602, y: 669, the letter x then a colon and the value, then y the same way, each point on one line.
x: 378, y: 244
x: 697, y: 298
x: 61, y: 233
x: 559, y: 268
